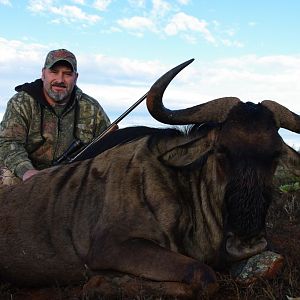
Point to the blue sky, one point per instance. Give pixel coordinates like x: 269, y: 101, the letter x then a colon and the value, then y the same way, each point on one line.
x: 247, y: 49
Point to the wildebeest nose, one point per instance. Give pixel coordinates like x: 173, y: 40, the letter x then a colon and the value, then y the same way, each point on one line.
x: 243, y: 248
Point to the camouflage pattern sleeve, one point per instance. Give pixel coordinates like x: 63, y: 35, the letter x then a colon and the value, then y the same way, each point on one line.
x: 102, y: 121
x: 13, y: 133
x: 91, y: 107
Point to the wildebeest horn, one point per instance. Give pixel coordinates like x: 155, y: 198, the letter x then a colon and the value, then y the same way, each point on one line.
x: 284, y: 118
x: 214, y: 110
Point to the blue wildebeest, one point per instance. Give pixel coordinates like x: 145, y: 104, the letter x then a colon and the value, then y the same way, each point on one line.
x: 164, y: 206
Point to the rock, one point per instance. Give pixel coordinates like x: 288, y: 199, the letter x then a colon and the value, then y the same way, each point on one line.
x: 265, y: 265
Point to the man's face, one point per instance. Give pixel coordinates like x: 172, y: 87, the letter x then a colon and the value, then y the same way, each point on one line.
x: 58, y: 82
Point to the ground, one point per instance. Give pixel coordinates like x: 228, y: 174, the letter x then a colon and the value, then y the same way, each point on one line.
x: 283, y: 229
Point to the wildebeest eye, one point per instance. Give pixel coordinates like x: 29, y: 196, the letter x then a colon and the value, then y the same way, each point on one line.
x: 277, y: 154
x: 223, y: 156
x: 222, y: 150
x: 271, y: 158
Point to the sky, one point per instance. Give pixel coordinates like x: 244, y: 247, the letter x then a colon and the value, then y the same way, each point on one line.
x: 245, y: 49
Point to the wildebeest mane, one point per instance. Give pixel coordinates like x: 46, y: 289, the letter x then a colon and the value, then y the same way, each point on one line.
x: 122, y: 136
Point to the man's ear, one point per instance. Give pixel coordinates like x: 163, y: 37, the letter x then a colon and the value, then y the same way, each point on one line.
x: 43, y: 74
x: 76, y: 77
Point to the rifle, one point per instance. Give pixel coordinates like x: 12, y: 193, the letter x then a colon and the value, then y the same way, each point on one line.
x: 71, y: 154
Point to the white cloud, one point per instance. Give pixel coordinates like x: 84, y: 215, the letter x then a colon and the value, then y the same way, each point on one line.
x: 63, y: 13
x: 230, y: 32
x: 120, y: 70
x: 17, y: 53
x: 231, y: 43
x: 6, y: 2
x: 73, y: 14
x: 276, y: 61
x: 182, y: 22
x: 137, y: 23
x: 81, y: 2
x: 39, y: 5
x: 137, y: 3
x: 101, y: 4
x: 183, y: 2
x: 252, y: 23
x: 160, y: 8
x: 191, y: 39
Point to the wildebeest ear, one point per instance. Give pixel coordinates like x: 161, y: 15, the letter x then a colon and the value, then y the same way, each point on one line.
x: 290, y: 160
x: 185, y: 154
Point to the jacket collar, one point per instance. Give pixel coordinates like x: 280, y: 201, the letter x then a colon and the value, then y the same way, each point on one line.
x: 35, y: 90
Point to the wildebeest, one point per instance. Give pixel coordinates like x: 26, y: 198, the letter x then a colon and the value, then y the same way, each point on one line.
x: 165, y: 207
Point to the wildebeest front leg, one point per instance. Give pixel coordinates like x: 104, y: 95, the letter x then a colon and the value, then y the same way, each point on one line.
x: 146, y: 259
x: 120, y: 286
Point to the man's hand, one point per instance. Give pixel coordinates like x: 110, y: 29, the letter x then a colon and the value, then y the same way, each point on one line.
x: 29, y: 174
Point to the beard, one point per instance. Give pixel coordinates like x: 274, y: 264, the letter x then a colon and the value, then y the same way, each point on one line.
x: 59, y: 97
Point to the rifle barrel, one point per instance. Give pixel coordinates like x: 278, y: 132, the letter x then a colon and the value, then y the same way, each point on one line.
x: 131, y: 108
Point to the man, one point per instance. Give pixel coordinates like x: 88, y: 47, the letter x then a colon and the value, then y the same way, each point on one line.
x: 45, y: 117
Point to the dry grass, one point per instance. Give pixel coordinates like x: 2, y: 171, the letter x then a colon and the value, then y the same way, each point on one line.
x: 283, y: 228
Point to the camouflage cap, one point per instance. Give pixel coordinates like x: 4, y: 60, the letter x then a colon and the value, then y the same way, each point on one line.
x: 60, y: 55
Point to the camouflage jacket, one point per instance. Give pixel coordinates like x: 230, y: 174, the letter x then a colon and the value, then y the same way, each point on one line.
x: 33, y: 134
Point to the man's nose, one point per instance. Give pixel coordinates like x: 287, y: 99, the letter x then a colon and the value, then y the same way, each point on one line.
x: 60, y: 77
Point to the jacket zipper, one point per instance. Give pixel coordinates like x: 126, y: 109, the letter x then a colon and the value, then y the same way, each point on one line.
x: 58, y: 137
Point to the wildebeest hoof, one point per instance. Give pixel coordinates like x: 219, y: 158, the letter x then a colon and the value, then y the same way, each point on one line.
x: 264, y: 265
x: 203, y: 278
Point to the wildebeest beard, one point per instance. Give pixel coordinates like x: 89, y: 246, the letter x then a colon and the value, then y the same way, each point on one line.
x: 247, y: 199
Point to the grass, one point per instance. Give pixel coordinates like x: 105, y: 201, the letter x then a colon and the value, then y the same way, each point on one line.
x: 283, y: 228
